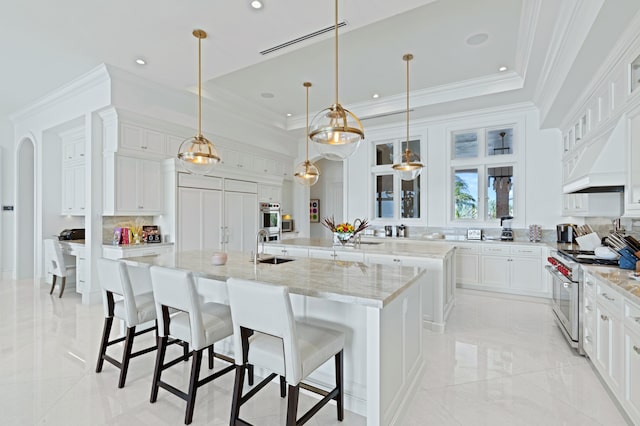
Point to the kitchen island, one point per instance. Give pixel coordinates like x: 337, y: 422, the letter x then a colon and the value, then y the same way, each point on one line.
x: 438, y: 260
x: 377, y: 306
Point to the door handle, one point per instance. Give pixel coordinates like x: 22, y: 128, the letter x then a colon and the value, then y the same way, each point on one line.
x: 610, y: 299
x: 637, y: 349
x: 604, y: 317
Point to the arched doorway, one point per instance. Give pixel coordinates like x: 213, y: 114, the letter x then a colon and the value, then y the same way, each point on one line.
x: 25, y: 210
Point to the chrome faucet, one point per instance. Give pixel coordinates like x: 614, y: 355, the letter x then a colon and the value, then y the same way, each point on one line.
x: 264, y: 235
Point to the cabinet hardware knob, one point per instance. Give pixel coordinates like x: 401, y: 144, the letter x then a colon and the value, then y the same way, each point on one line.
x: 637, y: 319
x: 140, y: 207
x: 637, y: 349
x: 588, y: 339
x: 604, y: 317
x: 588, y: 308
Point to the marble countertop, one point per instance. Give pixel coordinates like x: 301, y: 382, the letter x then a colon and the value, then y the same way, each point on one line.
x: 619, y: 279
x: 348, y: 282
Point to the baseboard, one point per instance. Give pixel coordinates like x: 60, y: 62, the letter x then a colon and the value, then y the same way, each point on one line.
x: 501, y: 295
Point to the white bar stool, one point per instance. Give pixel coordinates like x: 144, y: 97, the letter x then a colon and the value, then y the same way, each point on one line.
x: 58, y: 266
x: 199, y: 324
x: 267, y: 335
x: 132, y: 309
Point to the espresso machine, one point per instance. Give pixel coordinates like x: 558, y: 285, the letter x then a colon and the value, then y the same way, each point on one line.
x: 507, y: 232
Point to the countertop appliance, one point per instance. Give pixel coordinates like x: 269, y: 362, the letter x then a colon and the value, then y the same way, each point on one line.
x: 271, y: 219
x: 401, y: 231
x: 507, y: 232
x: 567, y: 288
x: 566, y: 233
x: 286, y: 225
x: 71, y: 234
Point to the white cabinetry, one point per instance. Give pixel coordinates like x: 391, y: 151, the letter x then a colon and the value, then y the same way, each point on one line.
x: 241, y: 220
x: 277, y: 250
x: 506, y: 268
x: 200, y: 217
x: 123, y: 252
x: 468, y: 264
x: 73, y: 172
x: 140, y: 139
x: 269, y: 193
x: 632, y: 190
x: 609, y: 305
x: 132, y: 186
x: 332, y: 254
x: 631, y: 364
x: 598, y: 204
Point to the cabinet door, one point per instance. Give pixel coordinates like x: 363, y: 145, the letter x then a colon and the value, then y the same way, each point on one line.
x: 241, y: 220
x: 322, y: 254
x: 382, y: 259
x: 349, y: 256
x: 632, y: 190
x: 126, y: 184
x: 467, y: 268
x: 78, y: 189
x: 295, y: 251
x: 495, y: 271
x: 150, y: 185
x: 131, y: 137
x: 526, y: 274
x: 609, y: 345
x: 68, y: 190
x: 632, y: 373
x: 199, y: 219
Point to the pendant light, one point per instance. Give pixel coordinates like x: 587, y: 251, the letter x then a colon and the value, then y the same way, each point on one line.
x: 197, y: 154
x: 410, y: 165
x: 306, y: 173
x: 336, y: 131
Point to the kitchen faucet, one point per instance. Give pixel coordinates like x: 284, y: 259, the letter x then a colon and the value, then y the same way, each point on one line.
x: 264, y: 235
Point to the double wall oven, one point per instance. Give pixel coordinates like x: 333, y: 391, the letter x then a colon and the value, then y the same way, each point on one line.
x: 568, y: 285
x: 270, y: 220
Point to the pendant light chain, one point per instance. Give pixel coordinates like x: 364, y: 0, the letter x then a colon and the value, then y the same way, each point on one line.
x: 336, y: 48
x: 306, y: 135
x: 199, y: 85
x: 408, y: 58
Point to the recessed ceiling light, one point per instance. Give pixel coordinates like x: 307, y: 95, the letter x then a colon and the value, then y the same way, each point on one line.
x: 141, y: 61
x: 256, y: 4
x: 267, y: 95
x: 289, y: 114
x: 375, y: 96
x: 502, y: 68
x: 477, y: 39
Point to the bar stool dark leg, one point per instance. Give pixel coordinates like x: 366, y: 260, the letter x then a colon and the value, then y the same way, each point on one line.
x: 193, y: 385
x: 340, y: 397
x: 283, y: 387
x: 53, y: 284
x: 126, y: 356
x: 185, y: 351
x: 157, y: 373
x: 250, y: 371
x: 64, y: 281
x: 211, y: 357
x: 292, y: 405
x: 108, y: 322
x: 237, y: 395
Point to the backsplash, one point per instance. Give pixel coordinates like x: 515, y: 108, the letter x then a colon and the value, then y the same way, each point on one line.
x: 111, y: 222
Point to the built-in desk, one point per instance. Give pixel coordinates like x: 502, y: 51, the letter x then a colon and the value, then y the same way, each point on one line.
x: 74, y: 252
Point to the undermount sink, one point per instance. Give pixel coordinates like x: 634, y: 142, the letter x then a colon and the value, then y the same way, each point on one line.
x: 275, y: 260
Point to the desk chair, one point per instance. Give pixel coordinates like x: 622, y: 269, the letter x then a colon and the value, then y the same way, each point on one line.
x: 267, y: 335
x: 130, y: 308
x: 196, y: 323
x: 57, y: 265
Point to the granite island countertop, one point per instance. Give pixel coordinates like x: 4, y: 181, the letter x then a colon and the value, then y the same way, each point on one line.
x: 348, y: 282
x: 619, y: 279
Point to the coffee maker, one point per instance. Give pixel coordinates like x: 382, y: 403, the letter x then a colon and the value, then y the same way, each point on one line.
x: 507, y: 232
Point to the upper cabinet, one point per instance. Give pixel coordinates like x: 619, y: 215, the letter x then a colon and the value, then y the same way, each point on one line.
x: 632, y: 190
x: 132, y: 186
x: 73, y: 172
x: 141, y: 140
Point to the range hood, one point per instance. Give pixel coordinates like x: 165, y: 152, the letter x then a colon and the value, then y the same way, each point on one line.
x: 602, y: 165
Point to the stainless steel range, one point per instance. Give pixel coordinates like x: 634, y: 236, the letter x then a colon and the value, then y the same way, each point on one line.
x: 568, y: 285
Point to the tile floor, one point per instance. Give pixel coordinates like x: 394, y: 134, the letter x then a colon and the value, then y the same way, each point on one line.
x: 500, y: 361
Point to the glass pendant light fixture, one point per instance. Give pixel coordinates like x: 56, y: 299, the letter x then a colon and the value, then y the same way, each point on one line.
x: 336, y: 131
x: 306, y: 173
x: 410, y: 165
x: 197, y: 154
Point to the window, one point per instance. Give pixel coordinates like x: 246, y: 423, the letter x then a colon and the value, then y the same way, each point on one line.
x: 477, y: 156
x: 394, y: 198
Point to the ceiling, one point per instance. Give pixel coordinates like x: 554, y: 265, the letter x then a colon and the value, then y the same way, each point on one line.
x: 46, y: 44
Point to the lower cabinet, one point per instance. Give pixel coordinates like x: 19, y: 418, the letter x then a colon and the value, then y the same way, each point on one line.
x: 123, y: 252
x: 611, y: 328
x: 468, y: 264
x: 332, y: 254
x: 286, y: 251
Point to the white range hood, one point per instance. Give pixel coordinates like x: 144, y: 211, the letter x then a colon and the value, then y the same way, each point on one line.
x: 602, y: 166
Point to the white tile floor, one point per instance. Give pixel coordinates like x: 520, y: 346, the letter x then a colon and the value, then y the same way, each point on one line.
x: 500, y: 361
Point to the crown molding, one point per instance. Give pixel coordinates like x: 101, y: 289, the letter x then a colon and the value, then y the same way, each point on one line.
x: 526, y: 35
x: 495, y: 83
x: 98, y: 75
x: 575, y: 19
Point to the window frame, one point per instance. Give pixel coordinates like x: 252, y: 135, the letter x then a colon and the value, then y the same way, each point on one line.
x: 386, y: 169
x: 482, y: 163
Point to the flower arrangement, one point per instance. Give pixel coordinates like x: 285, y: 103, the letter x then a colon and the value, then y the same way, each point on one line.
x: 345, y: 231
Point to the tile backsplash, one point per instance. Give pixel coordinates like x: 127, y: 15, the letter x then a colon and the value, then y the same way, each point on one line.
x: 111, y: 222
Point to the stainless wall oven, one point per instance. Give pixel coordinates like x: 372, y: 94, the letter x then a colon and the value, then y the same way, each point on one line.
x: 270, y: 219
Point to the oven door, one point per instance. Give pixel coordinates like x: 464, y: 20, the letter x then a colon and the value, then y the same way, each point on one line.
x: 270, y: 220
x: 565, y: 303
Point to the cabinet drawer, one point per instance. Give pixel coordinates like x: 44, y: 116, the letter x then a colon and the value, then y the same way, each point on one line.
x: 499, y: 250
x: 632, y: 316
x: 322, y: 254
x: 526, y: 251
x: 589, y: 283
x: 468, y: 249
x: 610, y: 298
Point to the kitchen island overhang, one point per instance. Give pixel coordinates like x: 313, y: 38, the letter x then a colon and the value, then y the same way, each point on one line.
x: 378, y: 306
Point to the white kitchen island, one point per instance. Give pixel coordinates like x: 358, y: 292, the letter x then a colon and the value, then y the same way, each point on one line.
x: 377, y: 306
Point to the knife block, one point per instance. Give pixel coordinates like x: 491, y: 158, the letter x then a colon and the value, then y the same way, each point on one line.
x: 627, y: 259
